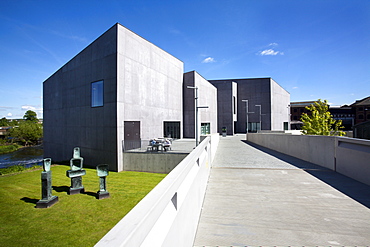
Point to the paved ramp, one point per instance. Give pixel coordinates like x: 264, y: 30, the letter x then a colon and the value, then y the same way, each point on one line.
x: 259, y: 197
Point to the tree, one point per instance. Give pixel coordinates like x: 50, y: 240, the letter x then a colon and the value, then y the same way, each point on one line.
x: 27, y: 132
x: 321, y: 122
x: 30, y: 116
x: 4, y: 122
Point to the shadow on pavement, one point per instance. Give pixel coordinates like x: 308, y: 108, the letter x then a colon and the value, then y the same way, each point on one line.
x: 358, y: 191
x: 301, y: 164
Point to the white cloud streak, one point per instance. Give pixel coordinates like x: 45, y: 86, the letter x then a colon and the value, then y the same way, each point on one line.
x: 270, y: 52
x: 28, y: 107
x: 209, y: 60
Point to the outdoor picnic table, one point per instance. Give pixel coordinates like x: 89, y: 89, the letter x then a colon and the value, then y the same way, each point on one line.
x: 162, y: 143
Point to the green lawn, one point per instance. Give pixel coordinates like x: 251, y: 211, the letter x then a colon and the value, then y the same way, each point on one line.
x: 76, y: 220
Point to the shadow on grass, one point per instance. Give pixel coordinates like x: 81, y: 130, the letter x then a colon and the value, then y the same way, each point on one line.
x: 66, y: 190
x: 61, y: 188
x: 90, y: 193
x: 30, y: 200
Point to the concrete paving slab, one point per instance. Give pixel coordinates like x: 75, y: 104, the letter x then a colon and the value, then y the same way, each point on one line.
x: 257, y: 197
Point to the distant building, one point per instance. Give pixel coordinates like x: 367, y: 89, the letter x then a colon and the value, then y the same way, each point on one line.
x: 362, y: 110
x: 362, y: 130
x: 344, y: 113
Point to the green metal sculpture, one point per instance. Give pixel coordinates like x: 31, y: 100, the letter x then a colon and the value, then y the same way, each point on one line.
x: 76, y: 172
x: 48, y: 199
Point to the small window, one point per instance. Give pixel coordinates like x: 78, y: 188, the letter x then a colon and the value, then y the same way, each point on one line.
x: 97, y: 91
x: 360, y: 116
x: 234, y: 105
x: 205, y: 128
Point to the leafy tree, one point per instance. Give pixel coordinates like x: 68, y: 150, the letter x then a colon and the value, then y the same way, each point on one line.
x: 14, y: 122
x: 4, y: 122
x: 27, y: 132
x: 30, y: 116
x: 321, y: 122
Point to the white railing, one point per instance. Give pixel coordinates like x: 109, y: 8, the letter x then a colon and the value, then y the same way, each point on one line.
x: 169, y: 214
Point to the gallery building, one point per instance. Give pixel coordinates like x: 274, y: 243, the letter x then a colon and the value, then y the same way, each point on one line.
x: 254, y: 104
x: 121, y: 91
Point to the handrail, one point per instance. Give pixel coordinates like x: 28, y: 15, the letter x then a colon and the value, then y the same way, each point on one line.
x: 153, y: 220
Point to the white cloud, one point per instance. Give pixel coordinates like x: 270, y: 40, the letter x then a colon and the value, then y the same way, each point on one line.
x: 273, y: 44
x: 209, y: 60
x: 295, y: 87
x: 270, y: 52
x: 9, y: 114
x: 28, y: 107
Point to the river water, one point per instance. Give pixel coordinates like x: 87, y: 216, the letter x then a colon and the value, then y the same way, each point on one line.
x: 27, y: 156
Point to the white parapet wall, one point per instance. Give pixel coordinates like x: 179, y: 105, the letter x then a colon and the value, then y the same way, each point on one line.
x: 169, y: 214
x: 348, y: 156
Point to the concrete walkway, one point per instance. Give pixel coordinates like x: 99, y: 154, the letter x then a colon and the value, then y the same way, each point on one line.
x: 259, y: 197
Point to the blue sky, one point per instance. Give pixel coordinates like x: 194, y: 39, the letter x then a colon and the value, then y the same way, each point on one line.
x: 314, y: 49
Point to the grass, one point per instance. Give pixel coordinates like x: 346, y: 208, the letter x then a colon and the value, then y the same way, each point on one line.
x: 17, y: 169
x: 76, y: 220
x: 9, y: 148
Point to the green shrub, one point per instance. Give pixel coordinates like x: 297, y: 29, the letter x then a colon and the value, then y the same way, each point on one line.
x: 9, y: 148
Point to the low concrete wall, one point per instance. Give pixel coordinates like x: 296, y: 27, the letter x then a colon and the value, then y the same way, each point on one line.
x: 353, y: 158
x: 169, y: 214
x: 159, y: 162
x: 348, y: 156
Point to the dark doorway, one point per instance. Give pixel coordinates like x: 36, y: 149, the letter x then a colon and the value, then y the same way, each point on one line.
x: 172, y: 129
x: 132, y: 135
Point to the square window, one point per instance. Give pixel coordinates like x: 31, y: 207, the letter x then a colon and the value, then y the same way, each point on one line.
x: 97, y: 91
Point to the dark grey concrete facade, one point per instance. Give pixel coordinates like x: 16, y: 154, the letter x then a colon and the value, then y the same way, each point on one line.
x: 227, y: 99
x: 69, y: 119
x: 207, y: 96
x: 274, y: 101
x: 142, y: 84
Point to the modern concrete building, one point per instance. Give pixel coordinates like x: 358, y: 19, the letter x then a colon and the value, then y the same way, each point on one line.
x: 119, y: 90
x: 207, y: 97
x: 264, y: 101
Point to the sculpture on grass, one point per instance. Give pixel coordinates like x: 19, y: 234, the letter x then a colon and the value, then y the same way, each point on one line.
x: 76, y: 172
x: 102, y: 172
x: 48, y: 199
